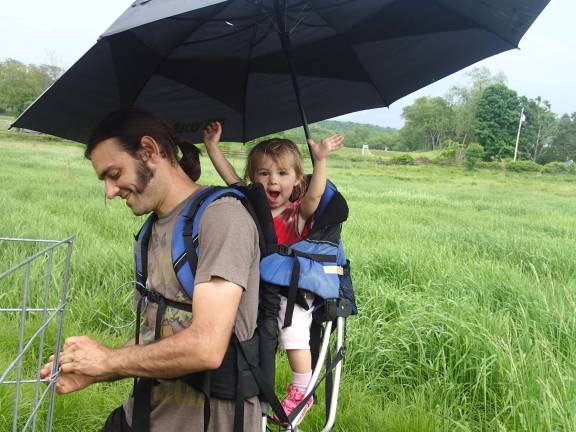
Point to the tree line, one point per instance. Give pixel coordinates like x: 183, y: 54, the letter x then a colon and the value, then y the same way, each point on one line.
x: 21, y: 84
x: 489, y: 113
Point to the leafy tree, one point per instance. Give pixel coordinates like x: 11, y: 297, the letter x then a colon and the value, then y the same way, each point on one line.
x: 563, y: 144
x: 21, y: 84
x: 465, y: 100
x: 539, y: 129
x: 496, y: 123
x: 428, y: 122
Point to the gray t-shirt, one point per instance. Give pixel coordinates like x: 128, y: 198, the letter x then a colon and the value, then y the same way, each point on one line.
x: 228, y: 243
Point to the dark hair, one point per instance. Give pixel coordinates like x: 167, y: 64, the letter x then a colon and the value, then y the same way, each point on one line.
x: 129, y: 126
x: 279, y: 149
x: 190, y: 160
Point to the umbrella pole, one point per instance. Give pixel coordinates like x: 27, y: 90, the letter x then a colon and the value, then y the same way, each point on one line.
x: 284, y: 35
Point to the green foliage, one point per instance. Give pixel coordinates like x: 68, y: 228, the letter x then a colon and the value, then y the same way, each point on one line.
x: 428, y: 122
x: 523, y: 165
x: 404, y: 159
x: 465, y: 101
x: 538, y: 130
x: 21, y: 84
x: 474, y: 153
x: 559, y: 168
x: 452, y: 153
x: 497, y: 118
x: 563, y: 142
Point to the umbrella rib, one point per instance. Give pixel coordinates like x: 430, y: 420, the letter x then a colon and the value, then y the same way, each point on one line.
x: 384, y: 101
x: 217, y: 10
x: 499, y: 36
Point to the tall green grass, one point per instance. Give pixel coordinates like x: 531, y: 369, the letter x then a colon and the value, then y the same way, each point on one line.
x: 465, y: 283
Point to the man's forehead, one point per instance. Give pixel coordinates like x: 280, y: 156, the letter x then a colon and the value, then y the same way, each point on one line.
x: 106, y: 154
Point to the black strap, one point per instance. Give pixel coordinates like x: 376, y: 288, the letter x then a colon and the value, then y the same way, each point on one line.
x: 329, y: 386
x: 265, y: 386
x: 292, y: 293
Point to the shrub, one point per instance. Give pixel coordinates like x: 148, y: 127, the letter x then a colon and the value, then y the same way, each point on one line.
x: 523, y: 165
x: 451, y: 154
x: 559, y: 168
x: 404, y: 159
x: 474, y: 153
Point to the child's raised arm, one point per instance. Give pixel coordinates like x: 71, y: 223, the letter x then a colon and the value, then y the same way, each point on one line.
x: 317, y: 184
x: 212, y: 134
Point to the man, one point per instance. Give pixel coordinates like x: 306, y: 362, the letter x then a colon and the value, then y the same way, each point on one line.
x: 134, y: 154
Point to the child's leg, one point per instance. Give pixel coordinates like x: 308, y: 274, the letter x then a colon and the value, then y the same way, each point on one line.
x: 296, y: 341
x: 300, y: 360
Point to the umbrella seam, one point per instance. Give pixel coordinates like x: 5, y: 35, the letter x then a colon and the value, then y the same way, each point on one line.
x: 329, y: 24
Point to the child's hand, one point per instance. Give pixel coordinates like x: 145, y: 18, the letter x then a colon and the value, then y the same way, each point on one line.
x: 212, y: 134
x: 332, y: 143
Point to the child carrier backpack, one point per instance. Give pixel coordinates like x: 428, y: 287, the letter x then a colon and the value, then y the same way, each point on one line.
x: 248, y: 368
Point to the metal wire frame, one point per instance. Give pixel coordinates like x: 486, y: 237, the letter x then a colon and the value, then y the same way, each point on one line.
x: 48, y: 316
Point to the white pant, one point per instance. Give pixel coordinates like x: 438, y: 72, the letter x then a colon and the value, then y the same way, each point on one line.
x: 297, y: 336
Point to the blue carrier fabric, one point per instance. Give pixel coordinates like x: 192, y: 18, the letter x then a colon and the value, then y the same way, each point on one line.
x: 317, y: 263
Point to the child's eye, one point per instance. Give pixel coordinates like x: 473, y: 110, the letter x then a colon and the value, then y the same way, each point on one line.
x: 114, y: 175
x: 283, y: 173
x: 262, y: 173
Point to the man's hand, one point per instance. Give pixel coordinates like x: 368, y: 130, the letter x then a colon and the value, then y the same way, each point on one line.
x: 212, y: 134
x: 65, y: 382
x: 326, y: 146
x: 85, y: 356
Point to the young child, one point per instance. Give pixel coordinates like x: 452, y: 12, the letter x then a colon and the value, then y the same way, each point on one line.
x: 277, y: 164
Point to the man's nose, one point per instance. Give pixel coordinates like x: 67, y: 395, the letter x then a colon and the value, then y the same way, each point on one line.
x: 111, y: 189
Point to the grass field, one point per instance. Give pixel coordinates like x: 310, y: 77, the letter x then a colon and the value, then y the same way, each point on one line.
x: 466, y: 283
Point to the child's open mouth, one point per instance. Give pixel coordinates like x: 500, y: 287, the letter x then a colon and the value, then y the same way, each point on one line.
x: 273, y: 195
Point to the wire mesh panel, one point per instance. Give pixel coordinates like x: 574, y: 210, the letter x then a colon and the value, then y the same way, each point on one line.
x: 33, y: 286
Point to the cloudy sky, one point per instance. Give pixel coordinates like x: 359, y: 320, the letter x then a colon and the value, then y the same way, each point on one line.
x: 60, y: 31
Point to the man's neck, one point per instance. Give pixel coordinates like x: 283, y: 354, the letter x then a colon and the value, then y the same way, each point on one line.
x: 178, y: 189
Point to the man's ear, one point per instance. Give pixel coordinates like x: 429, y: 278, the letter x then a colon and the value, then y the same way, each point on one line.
x: 149, y: 149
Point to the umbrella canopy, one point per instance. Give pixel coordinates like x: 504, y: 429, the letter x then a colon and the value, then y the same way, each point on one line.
x: 193, y: 61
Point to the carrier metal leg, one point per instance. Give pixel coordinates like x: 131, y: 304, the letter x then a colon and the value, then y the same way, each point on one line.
x: 337, y: 374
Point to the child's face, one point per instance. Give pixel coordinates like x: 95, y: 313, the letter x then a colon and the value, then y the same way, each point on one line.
x: 278, y: 180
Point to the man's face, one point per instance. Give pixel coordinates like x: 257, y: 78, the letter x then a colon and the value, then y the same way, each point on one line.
x: 123, y: 175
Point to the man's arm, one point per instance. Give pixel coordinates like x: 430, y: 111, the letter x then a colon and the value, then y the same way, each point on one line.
x: 199, y: 347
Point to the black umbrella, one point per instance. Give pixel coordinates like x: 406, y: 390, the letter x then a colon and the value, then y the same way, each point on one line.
x: 246, y: 62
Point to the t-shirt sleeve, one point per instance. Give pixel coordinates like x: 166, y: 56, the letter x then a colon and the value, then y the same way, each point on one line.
x: 228, y: 243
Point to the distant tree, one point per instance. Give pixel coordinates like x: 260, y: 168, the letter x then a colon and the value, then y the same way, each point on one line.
x: 496, y: 123
x: 539, y: 129
x: 428, y: 121
x: 464, y: 101
x: 21, y: 84
x: 563, y: 145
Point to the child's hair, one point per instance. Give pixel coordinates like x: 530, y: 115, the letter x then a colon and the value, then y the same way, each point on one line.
x: 282, y: 151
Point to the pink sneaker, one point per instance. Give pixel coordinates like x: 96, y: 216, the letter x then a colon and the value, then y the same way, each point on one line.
x: 293, y: 399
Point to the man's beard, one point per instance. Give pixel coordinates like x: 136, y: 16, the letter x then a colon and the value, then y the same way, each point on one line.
x: 143, y: 177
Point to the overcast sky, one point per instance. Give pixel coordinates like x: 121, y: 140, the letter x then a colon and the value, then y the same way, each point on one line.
x: 60, y: 31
